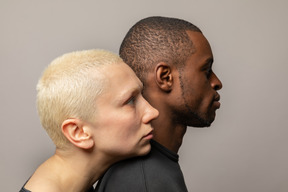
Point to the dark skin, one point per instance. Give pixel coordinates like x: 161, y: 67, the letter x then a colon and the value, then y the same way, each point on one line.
x: 186, y: 97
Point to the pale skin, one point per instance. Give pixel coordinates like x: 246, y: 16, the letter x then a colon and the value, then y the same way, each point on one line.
x: 178, y: 98
x: 95, y: 145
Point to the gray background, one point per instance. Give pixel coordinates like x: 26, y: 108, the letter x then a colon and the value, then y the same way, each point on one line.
x: 246, y: 147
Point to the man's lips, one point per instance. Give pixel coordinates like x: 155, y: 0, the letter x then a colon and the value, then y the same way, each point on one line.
x: 216, y: 102
x: 217, y: 97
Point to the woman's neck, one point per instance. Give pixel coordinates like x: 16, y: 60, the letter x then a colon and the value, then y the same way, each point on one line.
x: 66, y: 171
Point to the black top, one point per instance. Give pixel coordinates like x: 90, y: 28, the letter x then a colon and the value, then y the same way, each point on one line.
x: 25, y: 190
x: 158, y: 171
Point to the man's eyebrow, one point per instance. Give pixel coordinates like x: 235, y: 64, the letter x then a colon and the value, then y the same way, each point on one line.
x: 209, y: 62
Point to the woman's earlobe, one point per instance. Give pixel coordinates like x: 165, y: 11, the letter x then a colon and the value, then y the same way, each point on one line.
x: 164, y: 77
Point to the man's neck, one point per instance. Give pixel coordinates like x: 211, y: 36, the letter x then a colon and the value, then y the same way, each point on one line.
x: 168, y: 134
x: 166, y: 131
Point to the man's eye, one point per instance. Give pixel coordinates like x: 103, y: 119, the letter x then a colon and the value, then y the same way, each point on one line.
x: 208, y: 72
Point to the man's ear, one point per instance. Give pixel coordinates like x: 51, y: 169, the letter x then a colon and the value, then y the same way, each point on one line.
x: 164, y: 77
x: 78, y: 133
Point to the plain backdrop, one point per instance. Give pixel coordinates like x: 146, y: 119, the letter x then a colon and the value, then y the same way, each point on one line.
x: 246, y: 147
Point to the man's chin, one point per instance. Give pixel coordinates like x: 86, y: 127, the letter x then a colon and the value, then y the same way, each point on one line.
x: 201, y: 123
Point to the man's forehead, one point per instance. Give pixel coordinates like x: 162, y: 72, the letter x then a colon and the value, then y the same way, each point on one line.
x: 198, y: 38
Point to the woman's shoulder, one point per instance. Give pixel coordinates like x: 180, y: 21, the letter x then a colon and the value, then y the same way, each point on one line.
x: 42, y: 184
x: 42, y: 180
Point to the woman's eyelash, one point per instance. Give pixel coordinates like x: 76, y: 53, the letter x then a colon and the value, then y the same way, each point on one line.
x: 131, y: 100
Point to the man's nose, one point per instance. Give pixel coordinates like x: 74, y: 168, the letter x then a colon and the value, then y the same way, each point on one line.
x: 215, y: 82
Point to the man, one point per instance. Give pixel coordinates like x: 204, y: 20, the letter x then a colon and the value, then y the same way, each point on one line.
x: 93, y: 119
x: 174, y: 61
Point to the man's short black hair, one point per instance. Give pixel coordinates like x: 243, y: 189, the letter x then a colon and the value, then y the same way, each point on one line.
x: 157, y: 39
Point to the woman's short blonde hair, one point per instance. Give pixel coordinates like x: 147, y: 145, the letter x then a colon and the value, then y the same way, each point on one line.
x: 69, y: 88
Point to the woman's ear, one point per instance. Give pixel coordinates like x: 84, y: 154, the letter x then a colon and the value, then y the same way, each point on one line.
x: 78, y: 133
x: 164, y: 77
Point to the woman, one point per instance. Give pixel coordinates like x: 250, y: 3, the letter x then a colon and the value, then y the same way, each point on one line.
x: 91, y: 106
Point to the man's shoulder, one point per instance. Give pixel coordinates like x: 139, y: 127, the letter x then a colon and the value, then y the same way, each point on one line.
x: 136, y: 165
x: 153, y: 172
x: 132, y: 165
x: 126, y: 175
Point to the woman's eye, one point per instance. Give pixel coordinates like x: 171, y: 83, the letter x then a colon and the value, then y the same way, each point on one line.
x: 131, y: 101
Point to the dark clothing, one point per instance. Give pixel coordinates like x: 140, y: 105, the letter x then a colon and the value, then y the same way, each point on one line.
x: 158, y: 171
x: 25, y: 190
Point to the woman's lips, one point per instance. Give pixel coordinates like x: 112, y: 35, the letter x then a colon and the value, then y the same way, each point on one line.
x: 149, y: 135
